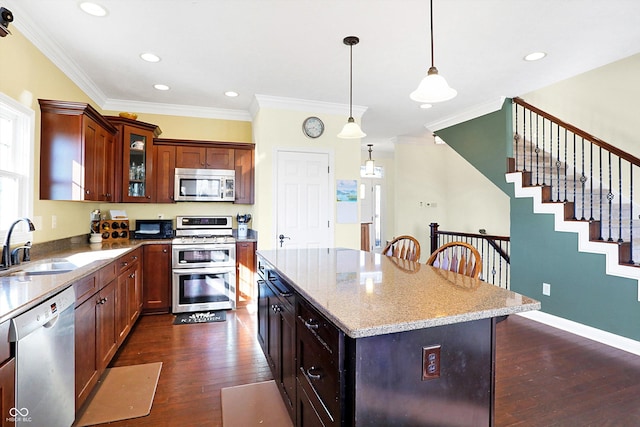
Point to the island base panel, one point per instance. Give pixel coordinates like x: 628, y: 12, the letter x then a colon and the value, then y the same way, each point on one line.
x: 388, y: 372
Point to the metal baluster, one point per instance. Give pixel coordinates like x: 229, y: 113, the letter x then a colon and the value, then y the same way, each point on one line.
x: 537, y: 150
x: 610, y: 198
x: 566, y: 143
x: 631, y: 213
x: 620, y: 240
x: 515, y: 138
x: 583, y: 178
x: 590, y: 182
x: 575, y: 183
x: 544, y: 163
x: 601, y: 199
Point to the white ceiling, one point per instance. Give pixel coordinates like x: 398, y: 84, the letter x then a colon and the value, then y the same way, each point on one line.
x: 294, y: 49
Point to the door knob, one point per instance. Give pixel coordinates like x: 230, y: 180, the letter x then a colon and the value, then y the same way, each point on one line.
x: 282, y: 237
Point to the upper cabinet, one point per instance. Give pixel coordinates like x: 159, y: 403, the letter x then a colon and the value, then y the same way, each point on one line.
x: 136, y: 161
x: 77, y: 153
x: 86, y: 156
x: 204, y: 157
x: 237, y: 156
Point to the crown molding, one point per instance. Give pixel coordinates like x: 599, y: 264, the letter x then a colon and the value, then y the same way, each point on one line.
x: 295, y: 104
x: 176, y: 110
x: 466, y: 115
x: 55, y: 54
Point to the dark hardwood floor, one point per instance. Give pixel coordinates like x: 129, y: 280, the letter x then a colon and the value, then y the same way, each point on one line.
x: 544, y: 376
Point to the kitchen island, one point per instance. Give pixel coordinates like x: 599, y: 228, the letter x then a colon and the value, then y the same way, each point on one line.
x: 378, y: 340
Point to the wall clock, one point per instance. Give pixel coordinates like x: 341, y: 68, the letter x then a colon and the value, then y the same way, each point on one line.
x: 312, y: 127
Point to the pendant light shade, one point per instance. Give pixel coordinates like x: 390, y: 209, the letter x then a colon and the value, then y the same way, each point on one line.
x: 351, y: 130
x: 369, y: 165
x: 433, y: 88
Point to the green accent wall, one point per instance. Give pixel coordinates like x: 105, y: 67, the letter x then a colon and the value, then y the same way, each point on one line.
x: 478, y: 141
x: 581, y: 291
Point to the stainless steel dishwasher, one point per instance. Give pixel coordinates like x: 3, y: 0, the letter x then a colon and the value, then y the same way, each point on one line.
x: 45, y: 363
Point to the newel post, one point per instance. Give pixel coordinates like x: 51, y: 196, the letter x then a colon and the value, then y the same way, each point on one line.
x: 433, y: 236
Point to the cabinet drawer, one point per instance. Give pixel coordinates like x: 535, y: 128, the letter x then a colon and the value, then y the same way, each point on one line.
x: 126, y: 261
x: 106, y: 274
x: 84, y: 288
x: 319, y: 372
x: 310, y: 320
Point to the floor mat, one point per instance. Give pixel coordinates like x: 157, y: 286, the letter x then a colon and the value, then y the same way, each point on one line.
x: 204, y: 317
x: 124, y: 392
x: 258, y: 404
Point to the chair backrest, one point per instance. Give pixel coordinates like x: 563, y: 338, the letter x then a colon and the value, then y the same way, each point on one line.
x: 459, y: 257
x: 405, y: 247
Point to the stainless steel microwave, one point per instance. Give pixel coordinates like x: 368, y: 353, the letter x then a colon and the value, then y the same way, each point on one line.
x: 204, y: 185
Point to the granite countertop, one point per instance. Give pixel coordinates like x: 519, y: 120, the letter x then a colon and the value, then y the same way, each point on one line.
x: 367, y: 294
x: 19, y: 292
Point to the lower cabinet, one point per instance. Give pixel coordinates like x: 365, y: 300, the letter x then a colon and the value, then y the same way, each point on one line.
x: 156, y: 285
x: 276, y: 333
x: 7, y: 377
x: 95, y: 329
x: 246, y: 264
x: 128, y: 293
x: 108, y: 303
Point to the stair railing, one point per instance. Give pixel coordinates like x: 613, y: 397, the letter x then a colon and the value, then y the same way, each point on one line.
x: 495, y: 252
x: 591, y: 177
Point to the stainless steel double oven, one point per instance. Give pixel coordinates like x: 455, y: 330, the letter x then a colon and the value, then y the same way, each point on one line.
x: 204, y: 264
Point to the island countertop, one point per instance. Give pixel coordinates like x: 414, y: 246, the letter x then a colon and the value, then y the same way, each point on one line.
x: 367, y: 294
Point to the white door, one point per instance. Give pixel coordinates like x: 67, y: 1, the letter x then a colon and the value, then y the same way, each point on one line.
x: 303, y: 204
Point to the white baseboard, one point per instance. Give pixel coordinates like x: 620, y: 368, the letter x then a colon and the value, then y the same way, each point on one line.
x: 589, y: 332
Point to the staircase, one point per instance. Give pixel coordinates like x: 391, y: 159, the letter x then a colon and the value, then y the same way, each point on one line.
x: 587, y: 184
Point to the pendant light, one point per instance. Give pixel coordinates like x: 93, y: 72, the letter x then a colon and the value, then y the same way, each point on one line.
x: 351, y: 130
x: 369, y: 165
x: 433, y: 88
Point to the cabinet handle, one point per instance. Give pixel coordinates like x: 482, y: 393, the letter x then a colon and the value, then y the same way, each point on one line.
x: 311, y: 324
x: 124, y: 263
x: 164, y: 251
x: 132, y: 275
x: 312, y: 375
x: 276, y: 308
x: 148, y: 197
x: 135, y: 257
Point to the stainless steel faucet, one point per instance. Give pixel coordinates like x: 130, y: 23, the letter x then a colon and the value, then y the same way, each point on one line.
x: 6, y: 248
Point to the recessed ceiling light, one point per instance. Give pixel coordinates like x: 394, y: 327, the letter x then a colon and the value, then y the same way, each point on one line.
x: 93, y: 9
x: 231, y: 94
x: 161, y: 87
x: 150, y: 57
x: 535, y: 56
x: 425, y: 106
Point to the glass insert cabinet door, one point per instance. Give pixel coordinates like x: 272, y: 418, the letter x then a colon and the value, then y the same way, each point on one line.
x: 137, y: 165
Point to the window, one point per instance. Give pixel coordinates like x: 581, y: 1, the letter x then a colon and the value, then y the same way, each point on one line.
x: 16, y: 166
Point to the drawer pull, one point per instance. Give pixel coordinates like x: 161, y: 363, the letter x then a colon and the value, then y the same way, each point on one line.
x: 313, y: 373
x: 311, y: 324
x: 276, y: 308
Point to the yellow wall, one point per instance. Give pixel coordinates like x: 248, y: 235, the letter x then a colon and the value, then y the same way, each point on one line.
x: 275, y: 129
x: 29, y: 75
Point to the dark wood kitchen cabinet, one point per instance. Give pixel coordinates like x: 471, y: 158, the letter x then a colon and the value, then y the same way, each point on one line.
x: 246, y: 267
x: 129, y: 292
x: 135, y: 162
x: 95, y: 329
x: 238, y: 156
x: 156, y: 289
x: 243, y: 165
x: 204, y: 157
x: 7, y: 376
x: 77, y: 153
x: 276, y: 333
x: 165, y: 166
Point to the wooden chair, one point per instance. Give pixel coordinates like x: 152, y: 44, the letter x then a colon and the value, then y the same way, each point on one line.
x: 459, y: 257
x: 405, y: 247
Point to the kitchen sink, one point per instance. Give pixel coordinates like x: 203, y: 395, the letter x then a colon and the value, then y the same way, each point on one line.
x: 47, y: 267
